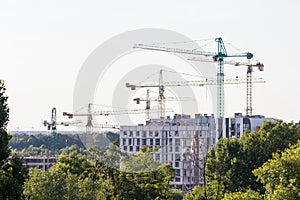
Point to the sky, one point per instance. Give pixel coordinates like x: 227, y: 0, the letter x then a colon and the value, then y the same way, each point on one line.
x: 43, y: 45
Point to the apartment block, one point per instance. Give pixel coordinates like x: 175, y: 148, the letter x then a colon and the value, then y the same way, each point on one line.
x: 183, y: 143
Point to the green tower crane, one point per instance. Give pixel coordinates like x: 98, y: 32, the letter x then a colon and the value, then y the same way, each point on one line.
x: 52, y: 126
x: 217, y: 57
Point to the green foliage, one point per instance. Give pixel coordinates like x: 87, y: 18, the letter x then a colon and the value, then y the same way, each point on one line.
x: 198, y: 193
x: 69, y: 149
x: 176, y: 195
x: 149, y: 179
x: 224, y: 164
x: 4, y: 115
x: 73, y: 163
x: 140, y: 178
x: 4, y: 110
x: 248, y: 195
x: 12, y: 177
x: 258, y: 147
x: 40, y: 144
x: 281, y: 175
x: 45, y: 185
x: 12, y: 172
x: 67, y: 179
x: 231, y: 162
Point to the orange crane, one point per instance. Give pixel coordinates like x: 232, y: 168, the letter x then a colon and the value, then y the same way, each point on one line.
x: 249, y: 81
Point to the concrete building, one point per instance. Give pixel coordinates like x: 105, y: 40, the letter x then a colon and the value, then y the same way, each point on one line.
x: 183, y: 142
x: 41, y: 162
x: 235, y: 127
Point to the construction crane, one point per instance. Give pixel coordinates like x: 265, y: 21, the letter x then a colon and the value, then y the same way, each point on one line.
x: 52, y: 126
x: 148, y: 100
x: 161, y: 85
x: 161, y: 89
x: 217, y: 57
x: 90, y: 114
x: 249, y: 79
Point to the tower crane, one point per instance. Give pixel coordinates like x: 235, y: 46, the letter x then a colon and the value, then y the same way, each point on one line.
x: 51, y: 125
x: 162, y: 85
x: 90, y: 114
x: 250, y: 66
x: 216, y: 56
x: 148, y: 100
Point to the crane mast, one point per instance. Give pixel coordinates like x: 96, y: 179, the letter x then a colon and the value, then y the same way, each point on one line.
x: 161, y: 97
x: 161, y: 85
x: 52, y: 126
x: 89, y: 128
x: 249, y: 79
x: 216, y: 56
x: 90, y: 113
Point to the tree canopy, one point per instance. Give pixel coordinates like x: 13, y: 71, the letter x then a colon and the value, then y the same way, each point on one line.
x: 281, y: 174
x: 12, y: 171
x: 231, y: 162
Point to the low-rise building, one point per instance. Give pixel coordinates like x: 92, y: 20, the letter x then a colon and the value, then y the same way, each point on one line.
x: 41, y: 162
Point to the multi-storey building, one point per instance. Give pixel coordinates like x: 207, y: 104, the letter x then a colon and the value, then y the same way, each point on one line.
x: 183, y: 142
x: 235, y: 127
x: 41, y: 162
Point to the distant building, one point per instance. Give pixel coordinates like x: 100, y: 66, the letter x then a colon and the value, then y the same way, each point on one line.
x: 235, y: 127
x: 41, y: 162
x: 183, y: 142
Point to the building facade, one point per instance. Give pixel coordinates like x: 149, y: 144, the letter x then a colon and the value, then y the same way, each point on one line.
x: 234, y: 127
x: 41, y: 162
x: 183, y: 143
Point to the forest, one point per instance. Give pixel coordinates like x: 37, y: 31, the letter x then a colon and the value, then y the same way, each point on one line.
x: 40, y: 144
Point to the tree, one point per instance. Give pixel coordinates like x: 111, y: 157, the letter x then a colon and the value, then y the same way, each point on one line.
x: 149, y: 179
x: 4, y: 115
x: 45, y: 185
x: 69, y: 178
x: 223, y: 166
x: 198, y: 193
x: 281, y: 175
x: 12, y: 172
x: 248, y: 195
x: 12, y: 178
x: 176, y: 195
x: 231, y: 162
x: 258, y: 148
x: 72, y: 163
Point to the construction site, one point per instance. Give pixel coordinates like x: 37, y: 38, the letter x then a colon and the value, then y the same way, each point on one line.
x: 183, y: 140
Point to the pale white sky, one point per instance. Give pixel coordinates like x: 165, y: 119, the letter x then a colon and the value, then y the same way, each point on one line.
x: 44, y: 43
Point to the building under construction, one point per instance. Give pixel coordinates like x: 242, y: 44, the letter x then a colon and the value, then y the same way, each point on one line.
x: 183, y: 142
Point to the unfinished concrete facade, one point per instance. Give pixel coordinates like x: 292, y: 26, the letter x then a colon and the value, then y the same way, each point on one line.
x: 183, y: 142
